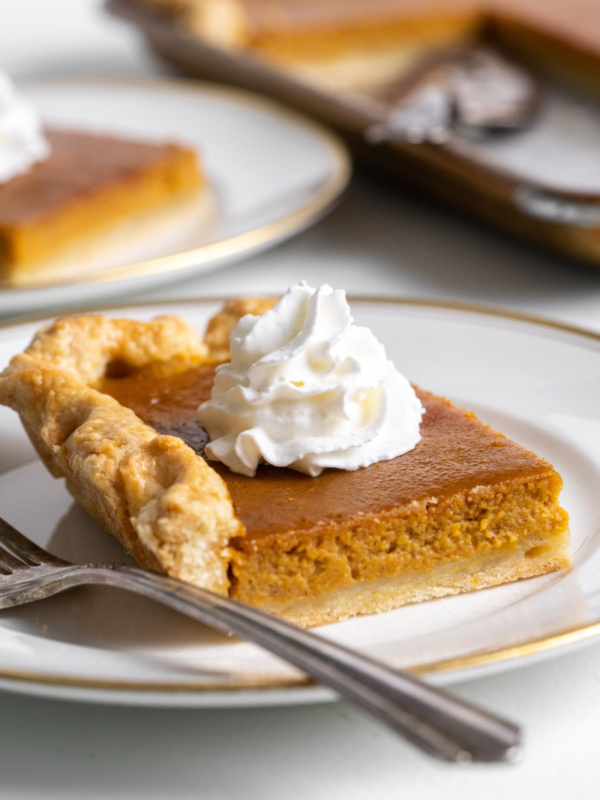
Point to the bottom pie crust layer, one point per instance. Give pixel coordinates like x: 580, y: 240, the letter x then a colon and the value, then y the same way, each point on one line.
x: 465, y: 510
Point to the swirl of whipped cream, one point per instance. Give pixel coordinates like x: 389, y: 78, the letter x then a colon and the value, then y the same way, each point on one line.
x: 21, y: 140
x: 308, y: 389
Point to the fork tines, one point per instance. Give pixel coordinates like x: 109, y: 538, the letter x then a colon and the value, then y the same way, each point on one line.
x: 17, y: 552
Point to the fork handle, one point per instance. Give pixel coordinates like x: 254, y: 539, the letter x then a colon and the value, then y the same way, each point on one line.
x: 438, y: 723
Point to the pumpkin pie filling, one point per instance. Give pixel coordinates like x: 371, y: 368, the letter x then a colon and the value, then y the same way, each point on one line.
x: 466, y: 508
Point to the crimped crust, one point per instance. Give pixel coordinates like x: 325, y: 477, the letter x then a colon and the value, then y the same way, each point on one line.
x: 170, y: 510
x: 220, y: 326
x: 84, y: 346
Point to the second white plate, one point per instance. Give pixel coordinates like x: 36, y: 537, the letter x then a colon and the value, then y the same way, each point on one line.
x: 271, y: 173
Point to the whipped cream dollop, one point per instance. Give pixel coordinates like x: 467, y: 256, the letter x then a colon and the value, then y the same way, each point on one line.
x: 306, y: 388
x: 21, y: 140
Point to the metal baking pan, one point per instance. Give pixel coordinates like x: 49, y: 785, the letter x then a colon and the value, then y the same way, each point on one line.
x: 496, y: 128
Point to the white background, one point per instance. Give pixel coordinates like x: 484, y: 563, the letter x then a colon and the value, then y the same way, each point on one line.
x: 378, y: 241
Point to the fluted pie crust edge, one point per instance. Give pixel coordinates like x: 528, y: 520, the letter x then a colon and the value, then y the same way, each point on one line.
x: 166, y: 505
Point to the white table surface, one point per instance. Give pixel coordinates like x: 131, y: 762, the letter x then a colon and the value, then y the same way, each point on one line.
x: 376, y: 242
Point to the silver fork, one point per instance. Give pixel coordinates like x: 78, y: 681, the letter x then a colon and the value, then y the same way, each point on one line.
x: 439, y: 724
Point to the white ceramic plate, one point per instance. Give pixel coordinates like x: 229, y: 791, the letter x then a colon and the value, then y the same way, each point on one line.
x: 537, y: 382
x: 271, y: 173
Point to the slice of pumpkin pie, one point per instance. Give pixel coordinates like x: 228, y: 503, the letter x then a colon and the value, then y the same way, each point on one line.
x: 65, y: 193
x: 352, y: 516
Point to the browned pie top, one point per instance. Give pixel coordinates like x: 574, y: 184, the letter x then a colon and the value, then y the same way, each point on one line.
x: 456, y: 452
x: 267, y: 15
x: 79, y: 164
x: 577, y: 20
